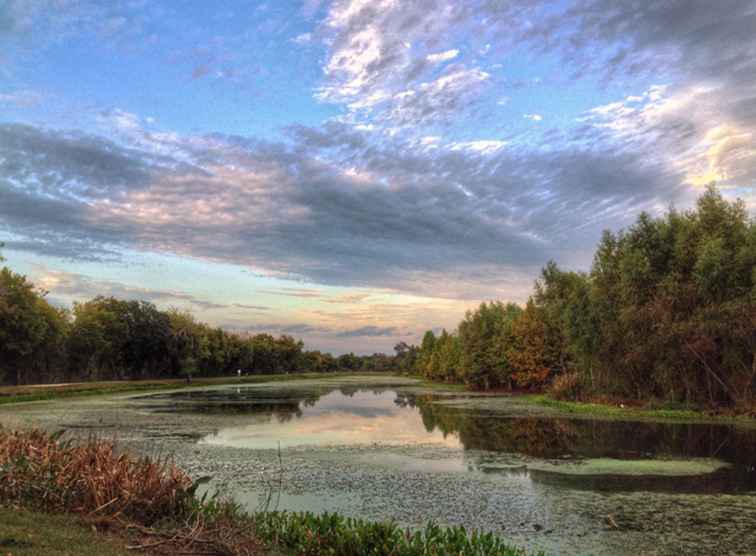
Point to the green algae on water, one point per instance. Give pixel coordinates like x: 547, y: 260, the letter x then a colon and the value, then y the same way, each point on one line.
x: 633, y: 467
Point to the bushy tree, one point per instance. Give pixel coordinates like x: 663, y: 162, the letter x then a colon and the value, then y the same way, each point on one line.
x: 667, y: 311
x: 31, y: 331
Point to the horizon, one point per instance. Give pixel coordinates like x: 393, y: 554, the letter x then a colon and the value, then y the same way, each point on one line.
x: 354, y: 173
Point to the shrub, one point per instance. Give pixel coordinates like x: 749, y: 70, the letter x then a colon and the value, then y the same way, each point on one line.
x: 39, y: 470
x: 306, y: 534
x: 567, y: 386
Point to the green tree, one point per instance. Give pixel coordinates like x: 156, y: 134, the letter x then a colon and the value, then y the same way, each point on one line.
x: 30, y: 330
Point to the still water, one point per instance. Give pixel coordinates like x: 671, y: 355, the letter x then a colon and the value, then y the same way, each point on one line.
x: 576, y: 453
x: 389, y: 449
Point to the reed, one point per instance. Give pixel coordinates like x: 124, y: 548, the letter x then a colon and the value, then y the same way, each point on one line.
x: 40, y: 470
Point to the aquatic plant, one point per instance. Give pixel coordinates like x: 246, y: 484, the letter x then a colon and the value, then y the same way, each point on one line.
x: 636, y: 467
x: 307, y: 534
x: 154, y: 504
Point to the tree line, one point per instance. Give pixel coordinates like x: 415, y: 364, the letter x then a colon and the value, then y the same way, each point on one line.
x: 667, y: 312
x: 113, y: 339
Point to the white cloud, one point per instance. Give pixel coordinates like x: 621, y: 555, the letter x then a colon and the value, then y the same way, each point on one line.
x: 383, y: 58
x: 482, y: 146
x: 430, y: 140
x: 689, y: 126
x: 304, y: 38
x: 442, y: 56
x: 533, y: 117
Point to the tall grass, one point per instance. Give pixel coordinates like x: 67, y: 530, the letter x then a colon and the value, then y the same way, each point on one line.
x: 40, y: 470
x: 153, y: 504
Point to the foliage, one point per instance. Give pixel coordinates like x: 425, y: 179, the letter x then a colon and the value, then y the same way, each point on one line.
x: 156, y: 501
x: 31, y: 330
x: 37, y: 469
x: 307, y: 534
x: 566, y: 387
x: 667, y: 312
x: 113, y: 339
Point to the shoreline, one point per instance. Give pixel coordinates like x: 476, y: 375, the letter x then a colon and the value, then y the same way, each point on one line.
x: 50, y: 392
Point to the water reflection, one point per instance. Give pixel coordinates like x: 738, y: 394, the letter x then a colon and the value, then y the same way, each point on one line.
x: 337, y: 419
x: 353, y: 416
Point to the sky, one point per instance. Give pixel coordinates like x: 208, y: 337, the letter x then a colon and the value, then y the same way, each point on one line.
x: 355, y: 172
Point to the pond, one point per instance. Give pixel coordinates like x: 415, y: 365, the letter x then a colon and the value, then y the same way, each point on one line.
x: 391, y: 448
x: 580, y: 453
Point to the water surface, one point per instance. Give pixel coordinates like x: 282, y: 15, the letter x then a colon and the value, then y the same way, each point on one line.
x: 390, y: 448
x: 642, y: 455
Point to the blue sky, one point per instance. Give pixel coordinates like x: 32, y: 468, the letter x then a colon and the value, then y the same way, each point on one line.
x: 354, y: 172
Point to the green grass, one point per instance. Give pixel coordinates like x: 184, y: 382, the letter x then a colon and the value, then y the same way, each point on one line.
x: 24, y: 394
x: 305, y: 534
x: 614, y: 411
x: 27, y: 533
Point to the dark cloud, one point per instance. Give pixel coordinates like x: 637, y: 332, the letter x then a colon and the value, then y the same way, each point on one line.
x: 296, y: 329
x: 294, y: 292
x: 340, y: 205
x: 67, y: 164
x: 251, y: 307
x: 405, y: 217
x: 704, y: 39
x: 370, y: 331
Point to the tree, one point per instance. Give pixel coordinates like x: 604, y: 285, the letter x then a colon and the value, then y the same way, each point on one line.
x: 30, y: 329
x: 483, y: 336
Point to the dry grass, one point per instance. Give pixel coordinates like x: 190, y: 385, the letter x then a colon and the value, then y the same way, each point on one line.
x: 90, y: 478
x: 567, y: 387
x: 150, y: 502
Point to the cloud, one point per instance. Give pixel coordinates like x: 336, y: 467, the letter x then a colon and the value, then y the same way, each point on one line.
x: 533, y: 117
x: 354, y: 202
x: 77, y: 287
x: 470, y: 221
x: 251, y: 307
x: 22, y: 99
x: 200, y: 71
x: 382, y: 56
x: 703, y: 119
x: 442, y: 56
x: 294, y: 292
x: 689, y: 125
x: 370, y: 331
x: 34, y: 24
x: 348, y: 299
x: 483, y: 146
x: 296, y: 329
x: 303, y: 38
x: 304, y: 329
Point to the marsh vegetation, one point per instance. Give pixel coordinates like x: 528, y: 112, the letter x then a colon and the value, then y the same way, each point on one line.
x: 392, y: 448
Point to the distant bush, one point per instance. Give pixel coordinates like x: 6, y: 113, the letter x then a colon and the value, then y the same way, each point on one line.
x: 567, y: 387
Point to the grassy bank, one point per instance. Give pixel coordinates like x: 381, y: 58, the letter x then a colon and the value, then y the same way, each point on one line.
x: 150, y: 506
x: 30, y: 533
x: 41, y: 392
x: 608, y: 410
x: 619, y: 411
